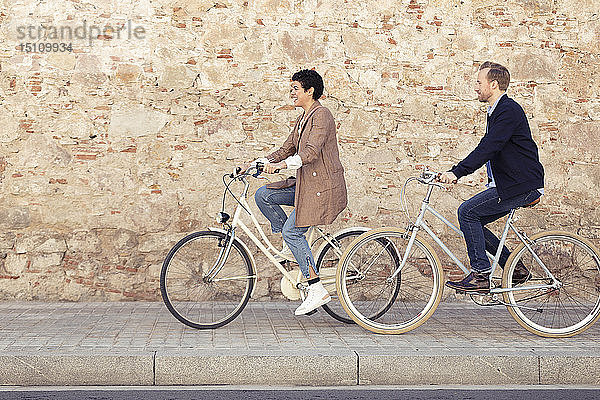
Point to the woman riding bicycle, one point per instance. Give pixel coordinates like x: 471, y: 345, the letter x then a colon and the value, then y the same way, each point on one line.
x: 318, y: 191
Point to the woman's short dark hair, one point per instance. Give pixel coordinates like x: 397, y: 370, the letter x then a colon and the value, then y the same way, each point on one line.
x: 309, y: 78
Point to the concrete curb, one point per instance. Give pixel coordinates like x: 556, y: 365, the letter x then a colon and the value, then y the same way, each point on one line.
x: 570, y: 370
x: 76, y: 369
x: 260, y: 368
x: 329, y: 368
x: 448, y: 370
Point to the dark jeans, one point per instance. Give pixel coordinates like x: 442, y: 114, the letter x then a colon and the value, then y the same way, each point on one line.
x: 480, y: 210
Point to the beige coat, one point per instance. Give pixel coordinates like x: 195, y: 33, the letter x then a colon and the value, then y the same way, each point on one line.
x: 320, y: 185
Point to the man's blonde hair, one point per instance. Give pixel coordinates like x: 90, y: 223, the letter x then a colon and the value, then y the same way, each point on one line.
x: 498, y: 73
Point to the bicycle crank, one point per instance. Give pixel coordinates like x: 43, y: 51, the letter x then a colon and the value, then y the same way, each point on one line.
x: 289, y: 290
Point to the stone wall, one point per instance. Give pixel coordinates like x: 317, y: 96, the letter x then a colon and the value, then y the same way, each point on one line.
x: 112, y: 152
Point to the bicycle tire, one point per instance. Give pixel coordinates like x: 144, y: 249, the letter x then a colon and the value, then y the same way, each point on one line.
x: 415, y: 292
x: 327, y: 261
x: 193, y: 300
x: 559, y: 312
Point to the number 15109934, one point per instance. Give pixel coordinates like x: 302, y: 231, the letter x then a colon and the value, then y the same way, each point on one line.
x: 45, y: 47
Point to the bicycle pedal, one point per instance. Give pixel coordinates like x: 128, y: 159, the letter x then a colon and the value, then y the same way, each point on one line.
x: 312, y: 312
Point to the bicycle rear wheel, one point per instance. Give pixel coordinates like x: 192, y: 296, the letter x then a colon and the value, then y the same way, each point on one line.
x: 568, y: 308
x: 194, y: 298
x: 327, y: 261
x: 375, y: 300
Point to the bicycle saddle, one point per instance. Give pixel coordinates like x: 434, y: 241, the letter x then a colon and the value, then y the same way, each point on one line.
x: 533, y: 203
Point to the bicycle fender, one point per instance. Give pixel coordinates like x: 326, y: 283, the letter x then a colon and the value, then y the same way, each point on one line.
x: 243, y: 245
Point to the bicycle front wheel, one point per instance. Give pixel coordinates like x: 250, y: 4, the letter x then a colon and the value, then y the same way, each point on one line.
x: 376, y: 295
x: 553, y: 309
x: 197, y: 297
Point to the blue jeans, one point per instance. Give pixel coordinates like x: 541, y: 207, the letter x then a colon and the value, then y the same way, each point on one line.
x: 480, y: 210
x: 269, y: 202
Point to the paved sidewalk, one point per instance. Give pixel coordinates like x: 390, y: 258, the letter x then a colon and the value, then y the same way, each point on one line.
x: 142, y: 344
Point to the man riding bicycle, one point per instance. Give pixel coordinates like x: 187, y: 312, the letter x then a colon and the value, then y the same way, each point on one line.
x: 515, y: 177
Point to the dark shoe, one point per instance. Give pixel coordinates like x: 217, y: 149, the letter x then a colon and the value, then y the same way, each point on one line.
x: 472, y: 283
x: 521, y: 274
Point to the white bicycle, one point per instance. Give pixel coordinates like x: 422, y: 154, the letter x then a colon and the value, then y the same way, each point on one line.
x: 208, y: 277
x: 561, y: 297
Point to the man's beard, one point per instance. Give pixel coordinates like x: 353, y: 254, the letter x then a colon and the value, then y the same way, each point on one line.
x: 481, y: 97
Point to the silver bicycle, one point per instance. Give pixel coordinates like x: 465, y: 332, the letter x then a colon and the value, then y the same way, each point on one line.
x: 560, y: 299
x: 208, y: 277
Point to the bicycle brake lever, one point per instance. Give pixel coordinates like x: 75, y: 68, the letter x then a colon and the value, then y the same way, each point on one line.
x: 236, y: 172
x: 259, y: 169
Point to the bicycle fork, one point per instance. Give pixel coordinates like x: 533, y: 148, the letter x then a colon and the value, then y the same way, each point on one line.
x: 413, y: 235
x: 223, y: 254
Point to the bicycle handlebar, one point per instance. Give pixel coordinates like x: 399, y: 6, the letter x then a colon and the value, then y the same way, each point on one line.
x: 261, y: 167
x: 237, y: 174
x: 258, y: 169
x: 429, y: 178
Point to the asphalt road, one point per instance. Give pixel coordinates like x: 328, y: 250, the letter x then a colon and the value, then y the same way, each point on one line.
x: 303, y: 394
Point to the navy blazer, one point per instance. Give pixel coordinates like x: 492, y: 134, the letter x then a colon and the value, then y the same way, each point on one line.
x: 509, y: 147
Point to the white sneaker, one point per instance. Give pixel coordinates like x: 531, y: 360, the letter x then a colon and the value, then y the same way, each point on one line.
x: 286, y: 252
x: 317, y: 296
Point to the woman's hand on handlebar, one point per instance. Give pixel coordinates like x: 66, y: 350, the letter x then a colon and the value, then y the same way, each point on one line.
x: 245, y: 167
x: 447, y: 177
x: 253, y: 164
x: 265, y: 166
x: 274, y: 168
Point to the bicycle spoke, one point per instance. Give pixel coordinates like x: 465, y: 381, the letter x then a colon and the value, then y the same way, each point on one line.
x: 373, y: 259
x: 234, y: 278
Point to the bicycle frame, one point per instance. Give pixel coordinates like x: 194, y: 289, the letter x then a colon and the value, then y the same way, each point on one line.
x: 269, y: 250
x: 421, y: 224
